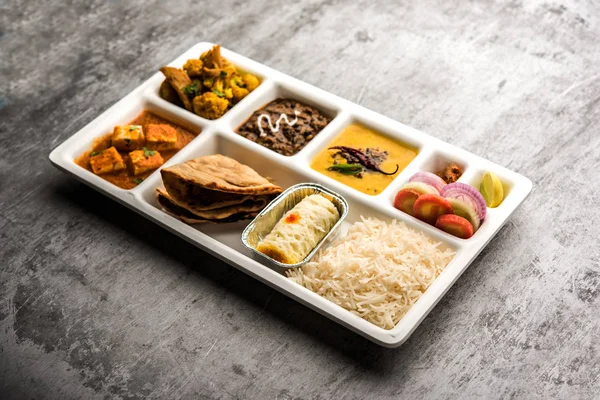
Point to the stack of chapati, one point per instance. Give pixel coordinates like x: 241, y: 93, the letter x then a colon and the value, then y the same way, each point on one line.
x: 214, y: 189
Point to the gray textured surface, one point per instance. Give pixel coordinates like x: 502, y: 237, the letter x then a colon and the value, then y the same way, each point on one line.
x: 96, y: 302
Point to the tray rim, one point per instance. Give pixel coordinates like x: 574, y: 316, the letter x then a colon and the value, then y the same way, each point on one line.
x: 209, y: 129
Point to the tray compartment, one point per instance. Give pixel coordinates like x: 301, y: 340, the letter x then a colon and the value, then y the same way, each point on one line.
x: 242, y: 64
x: 278, y: 90
x: 475, y: 177
x: 122, y: 113
x: 430, y: 229
x: 434, y: 160
x: 439, y: 159
x: 389, y: 132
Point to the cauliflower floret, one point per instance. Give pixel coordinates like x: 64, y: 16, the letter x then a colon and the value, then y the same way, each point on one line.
x: 193, y: 67
x: 238, y: 93
x: 228, y: 69
x: 208, y: 83
x: 238, y: 88
x: 218, y: 85
x: 251, y: 82
x: 210, y: 106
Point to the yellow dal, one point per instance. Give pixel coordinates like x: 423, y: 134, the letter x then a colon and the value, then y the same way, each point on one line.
x: 358, y: 136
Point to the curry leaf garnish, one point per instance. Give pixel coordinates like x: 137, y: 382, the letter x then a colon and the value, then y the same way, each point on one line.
x: 192, y: 90
x: 346, y: 169
x: 148, y: 153
x: 223, y: 74
x: 138, y: 180
x: 218, y: 93
x: 94, y: 153
x: 133, y: 128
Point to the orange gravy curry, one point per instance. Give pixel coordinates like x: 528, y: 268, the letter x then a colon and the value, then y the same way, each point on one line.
x: 125, y: 178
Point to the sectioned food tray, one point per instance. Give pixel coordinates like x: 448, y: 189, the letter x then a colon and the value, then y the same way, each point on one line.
x: 219, y: 137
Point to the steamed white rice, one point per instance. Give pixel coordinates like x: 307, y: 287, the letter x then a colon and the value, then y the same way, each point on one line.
x: 376, y: 271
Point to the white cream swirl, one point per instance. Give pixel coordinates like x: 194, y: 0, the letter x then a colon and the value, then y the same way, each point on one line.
x: 275, y: 129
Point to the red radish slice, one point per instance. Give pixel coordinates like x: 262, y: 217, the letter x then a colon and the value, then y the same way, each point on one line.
x: 468, y: 194
x: 421, y: 187
x: 428, y: 178
x: 429, y: 207
x: 465, y: 210
x: 455, y: 225
x: 405, y: 200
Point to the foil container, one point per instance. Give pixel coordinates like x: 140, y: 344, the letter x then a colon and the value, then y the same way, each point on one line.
x: 264, y: 222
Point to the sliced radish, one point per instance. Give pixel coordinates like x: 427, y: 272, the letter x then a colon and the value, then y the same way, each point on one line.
x: 455, y: 225
x: 421, y: 187
x: 429, y: 207
x: 428, y: 178
x: 405, y: 200
x: 468, y: 194
x: 465, y: 210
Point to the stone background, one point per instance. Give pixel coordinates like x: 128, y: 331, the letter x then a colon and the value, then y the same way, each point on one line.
x: 96, y: 302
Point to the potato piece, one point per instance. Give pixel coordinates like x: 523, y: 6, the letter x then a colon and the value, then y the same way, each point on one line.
x: 106, y: 161
x: 128, y: 137
x: 179, y: 80
x: 144, y: 160
x: 167, y: 92
x: 161, y: 137
x: 212, y: 58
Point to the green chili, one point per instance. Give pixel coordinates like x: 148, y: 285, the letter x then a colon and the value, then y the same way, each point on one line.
x: 346, y: 169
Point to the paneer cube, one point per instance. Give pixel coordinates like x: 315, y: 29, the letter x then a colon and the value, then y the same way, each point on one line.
x: 106, y: 161
x: 161, y: 137
x: 144, y: 160
x: 128, y: 137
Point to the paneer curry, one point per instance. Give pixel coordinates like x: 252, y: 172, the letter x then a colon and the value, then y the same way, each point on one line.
x: 133, y: 151
x: 207, y: 86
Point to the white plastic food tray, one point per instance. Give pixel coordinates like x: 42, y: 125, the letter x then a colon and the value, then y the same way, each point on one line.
x: 224, y: 241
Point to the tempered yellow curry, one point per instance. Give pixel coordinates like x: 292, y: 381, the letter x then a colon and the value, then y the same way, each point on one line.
x: 363, y: 159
